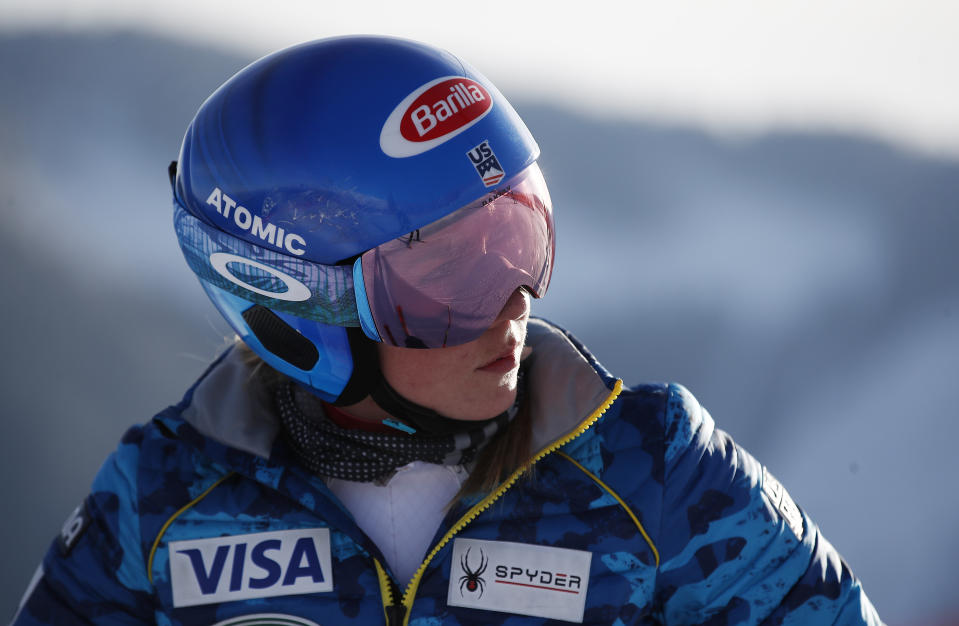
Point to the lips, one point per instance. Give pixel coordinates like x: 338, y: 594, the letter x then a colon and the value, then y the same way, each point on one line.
x: 502, y: 363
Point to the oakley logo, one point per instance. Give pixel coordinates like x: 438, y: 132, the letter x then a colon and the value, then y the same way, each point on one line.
x: 433, y: 114
x: 295, y: 290
x: 254, y: 224
x: 223, y: 569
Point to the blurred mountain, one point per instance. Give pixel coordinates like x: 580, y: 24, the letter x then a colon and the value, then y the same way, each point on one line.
x: 803, y: 286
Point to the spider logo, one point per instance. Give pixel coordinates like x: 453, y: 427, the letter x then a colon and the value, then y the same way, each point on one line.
x: 472, y: 579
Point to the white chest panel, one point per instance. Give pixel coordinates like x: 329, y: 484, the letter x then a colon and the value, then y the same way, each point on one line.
x: 402, y: 516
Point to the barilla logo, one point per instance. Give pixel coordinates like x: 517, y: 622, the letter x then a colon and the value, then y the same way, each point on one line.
x: 433, y: 114
x: 260, y: 565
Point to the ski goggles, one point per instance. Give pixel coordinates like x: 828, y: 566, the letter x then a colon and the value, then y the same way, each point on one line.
x: 441, y: 285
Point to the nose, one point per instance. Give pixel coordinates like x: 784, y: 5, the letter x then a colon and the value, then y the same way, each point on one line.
x: 516, y: 308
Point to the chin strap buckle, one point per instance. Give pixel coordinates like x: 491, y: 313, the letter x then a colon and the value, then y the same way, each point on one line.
x: 392, y: 423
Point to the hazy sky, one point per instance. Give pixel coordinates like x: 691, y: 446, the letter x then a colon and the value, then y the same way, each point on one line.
x: 882, y: 66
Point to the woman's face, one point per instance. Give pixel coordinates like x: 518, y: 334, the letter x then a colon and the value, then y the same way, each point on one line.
x: 472, y: 381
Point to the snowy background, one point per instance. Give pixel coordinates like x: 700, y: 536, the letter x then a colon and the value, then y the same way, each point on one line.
x: 800, y: 277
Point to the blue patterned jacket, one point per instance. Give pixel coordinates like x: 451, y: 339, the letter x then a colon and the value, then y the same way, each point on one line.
x: 639, y: 511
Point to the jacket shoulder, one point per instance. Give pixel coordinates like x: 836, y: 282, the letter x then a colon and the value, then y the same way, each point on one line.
x: 97, y: 565
x: 658, y: 420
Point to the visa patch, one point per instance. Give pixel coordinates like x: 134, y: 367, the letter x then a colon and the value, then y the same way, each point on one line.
x: 487, y: 165
x: 259, y: 565
x: 539, y: 581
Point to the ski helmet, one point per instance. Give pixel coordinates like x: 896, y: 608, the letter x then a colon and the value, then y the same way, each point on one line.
x: 360, y: 186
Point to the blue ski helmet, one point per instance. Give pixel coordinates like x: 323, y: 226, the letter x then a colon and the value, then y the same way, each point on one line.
x: 308, y: 183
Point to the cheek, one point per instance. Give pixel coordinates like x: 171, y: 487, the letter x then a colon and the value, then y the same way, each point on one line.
x: 417, y: 374
x: 446, y: 381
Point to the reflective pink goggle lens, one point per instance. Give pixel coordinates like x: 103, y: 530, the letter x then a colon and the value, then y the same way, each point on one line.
x: 446, y: 283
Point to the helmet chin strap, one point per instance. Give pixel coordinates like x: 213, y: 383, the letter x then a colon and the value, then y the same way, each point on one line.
x: 422, y: 418
x: 368, y: 380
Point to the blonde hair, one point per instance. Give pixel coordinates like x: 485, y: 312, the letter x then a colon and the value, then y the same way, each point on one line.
x: 504, y: 454
x: 508, y: 451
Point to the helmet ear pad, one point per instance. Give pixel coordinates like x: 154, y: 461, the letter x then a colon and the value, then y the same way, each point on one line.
x: 280, y: 338
x: 319, y: 356
x: 284, y: 342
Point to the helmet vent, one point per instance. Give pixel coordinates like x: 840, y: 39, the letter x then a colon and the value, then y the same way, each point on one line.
x: 280, y: 338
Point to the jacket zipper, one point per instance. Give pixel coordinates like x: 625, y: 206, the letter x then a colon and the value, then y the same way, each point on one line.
x: 395, y: 614
x: 400, y: 612
x: 393, y: 611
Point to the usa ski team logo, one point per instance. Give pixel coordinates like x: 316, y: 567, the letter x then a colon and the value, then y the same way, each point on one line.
x: 520, y: 578
x: 259, y: 565
x: 486, y: 164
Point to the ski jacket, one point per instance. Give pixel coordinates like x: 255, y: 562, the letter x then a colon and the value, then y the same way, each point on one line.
x: 638, y: 511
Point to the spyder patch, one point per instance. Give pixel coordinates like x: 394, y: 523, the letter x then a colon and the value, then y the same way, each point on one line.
x: 73, y: 528
x: 783, y: 503
x: 526, y: 579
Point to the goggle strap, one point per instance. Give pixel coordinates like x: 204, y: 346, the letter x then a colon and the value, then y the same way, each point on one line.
x: 321, y: 293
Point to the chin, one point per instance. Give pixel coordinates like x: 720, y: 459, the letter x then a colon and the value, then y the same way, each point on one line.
x: 500, y: 400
